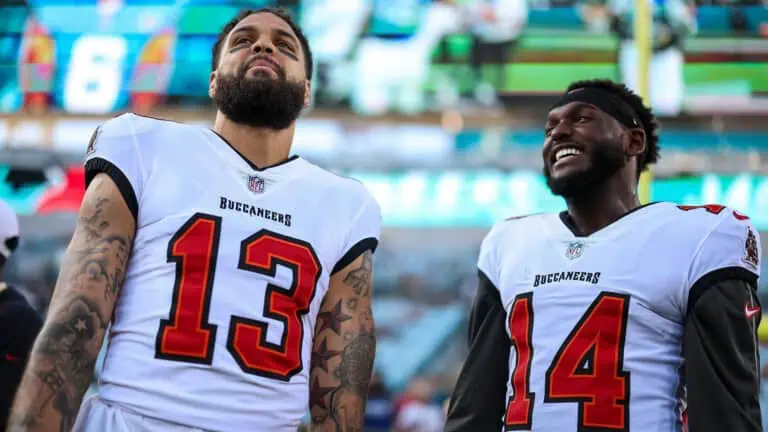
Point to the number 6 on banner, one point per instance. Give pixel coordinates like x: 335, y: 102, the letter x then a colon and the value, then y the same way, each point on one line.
x: 95, y: 74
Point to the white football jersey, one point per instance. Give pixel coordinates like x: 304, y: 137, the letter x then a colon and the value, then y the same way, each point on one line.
x: 596, y: 322
x: 213, y: 326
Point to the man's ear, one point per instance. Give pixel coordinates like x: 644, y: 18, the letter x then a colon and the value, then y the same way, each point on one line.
x: 637, y: 143
x: 307, y: 93
x: 212, y: 85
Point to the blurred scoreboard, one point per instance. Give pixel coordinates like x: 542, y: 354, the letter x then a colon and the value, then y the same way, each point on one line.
x: 98, y: 57
x: 95, y: 57
x: 101, y: 56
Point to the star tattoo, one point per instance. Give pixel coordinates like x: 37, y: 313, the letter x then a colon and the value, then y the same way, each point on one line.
x: 317, y: 394
x: 80, y: 325
x: 332, y: 319
x: 321, y: 355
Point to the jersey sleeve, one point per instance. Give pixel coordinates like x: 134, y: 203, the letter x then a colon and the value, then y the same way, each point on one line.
x: 722, y: 360
x: 487, y: 260
x: 731, y: 251
x: 478, y: 399
x: 720, y: 347
x: 363, y: 234
x: 114, y: 152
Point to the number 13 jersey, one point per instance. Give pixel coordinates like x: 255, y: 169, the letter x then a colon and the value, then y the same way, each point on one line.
x: 596, y: 323
x: 213, y: 326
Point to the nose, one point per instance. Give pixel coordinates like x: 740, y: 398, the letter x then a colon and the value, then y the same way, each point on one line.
x: 561, y: 131
x: 263, y: 45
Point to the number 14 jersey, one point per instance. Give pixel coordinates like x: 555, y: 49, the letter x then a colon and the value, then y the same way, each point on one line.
x: 214, y: 324
x: 596, y: 322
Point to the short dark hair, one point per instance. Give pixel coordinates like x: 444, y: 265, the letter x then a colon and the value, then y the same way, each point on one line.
x: 643, y: 113
x: 278, y: 12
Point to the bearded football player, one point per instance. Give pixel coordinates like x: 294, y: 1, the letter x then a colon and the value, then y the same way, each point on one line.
x: 237, y: 278
x: 612, y: 316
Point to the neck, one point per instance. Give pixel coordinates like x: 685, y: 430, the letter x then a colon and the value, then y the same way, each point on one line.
x: 263, y: 147
x: 601, y: 206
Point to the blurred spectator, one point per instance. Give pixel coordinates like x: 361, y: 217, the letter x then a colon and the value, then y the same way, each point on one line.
x: 19, y: 323
x: 333, y: 28
x: 595, y: 16
x: 673, y: 21
x: 393, y: 60
x: 416, y: 410
x: 496, y: 26
x: 378, y: 411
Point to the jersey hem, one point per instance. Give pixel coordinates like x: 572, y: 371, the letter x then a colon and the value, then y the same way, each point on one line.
x: 710, y: 279
x: 100, y: 165
x: 355, y: 251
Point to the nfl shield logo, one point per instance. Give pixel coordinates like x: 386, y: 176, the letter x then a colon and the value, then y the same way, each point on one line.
x: 574, y: 250
x: 255, y: 184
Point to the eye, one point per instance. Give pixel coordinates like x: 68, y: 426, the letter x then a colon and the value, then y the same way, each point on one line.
x: 548, y: 131
x: 284, y: 44
x: 583, y: 119
x: 241, y: 41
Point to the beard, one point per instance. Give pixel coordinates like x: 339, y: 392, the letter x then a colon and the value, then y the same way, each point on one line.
x: 605, y: 161
x: 259, y: 101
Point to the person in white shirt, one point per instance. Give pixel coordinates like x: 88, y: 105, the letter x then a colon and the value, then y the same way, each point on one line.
x: 237, y: 278
x: 496, y: 26
x: 673, y: 21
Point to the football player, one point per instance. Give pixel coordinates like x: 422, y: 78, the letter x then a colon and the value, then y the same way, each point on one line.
x: 612, y: 316
x: 19, y: 321
x: 237, y: 278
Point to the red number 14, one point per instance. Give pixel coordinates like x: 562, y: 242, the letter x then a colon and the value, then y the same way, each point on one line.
x: 587, y: 369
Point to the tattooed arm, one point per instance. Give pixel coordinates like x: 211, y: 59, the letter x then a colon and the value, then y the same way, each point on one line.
x: 344, y: 348
x: 63, y: 357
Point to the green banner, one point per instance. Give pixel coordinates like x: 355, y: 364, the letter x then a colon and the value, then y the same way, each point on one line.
x: 431, y: 199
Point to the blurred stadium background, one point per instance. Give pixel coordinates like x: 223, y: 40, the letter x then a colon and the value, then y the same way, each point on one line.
x: 437, y: 106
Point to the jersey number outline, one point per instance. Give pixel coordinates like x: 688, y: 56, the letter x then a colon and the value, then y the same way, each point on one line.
x: 715, y: 209
x: 187, y: 335
x: 587, y: 369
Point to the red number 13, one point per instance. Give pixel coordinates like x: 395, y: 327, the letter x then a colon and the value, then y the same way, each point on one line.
x: 188, y: 336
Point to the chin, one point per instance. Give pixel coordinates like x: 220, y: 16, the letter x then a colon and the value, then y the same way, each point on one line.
x: 569, y: 183
x: 567, y: 173
x: 261, y: 76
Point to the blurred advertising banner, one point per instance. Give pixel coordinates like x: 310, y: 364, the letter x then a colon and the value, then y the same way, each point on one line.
x: 317, y: 139
x: 382, y: 143
x: 379, y: 56
x: 483, y: 198
x: 427, y: 198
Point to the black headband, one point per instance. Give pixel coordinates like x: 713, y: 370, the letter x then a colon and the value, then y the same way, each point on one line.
x: 605, y: 101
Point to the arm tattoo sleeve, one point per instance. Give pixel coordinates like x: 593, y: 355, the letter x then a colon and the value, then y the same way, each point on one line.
x: 343, y: 353
x: 62, y: 360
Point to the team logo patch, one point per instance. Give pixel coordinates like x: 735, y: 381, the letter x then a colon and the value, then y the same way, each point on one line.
x: 255, y: 184
x: 751, y: 253
x: 574, y: 250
